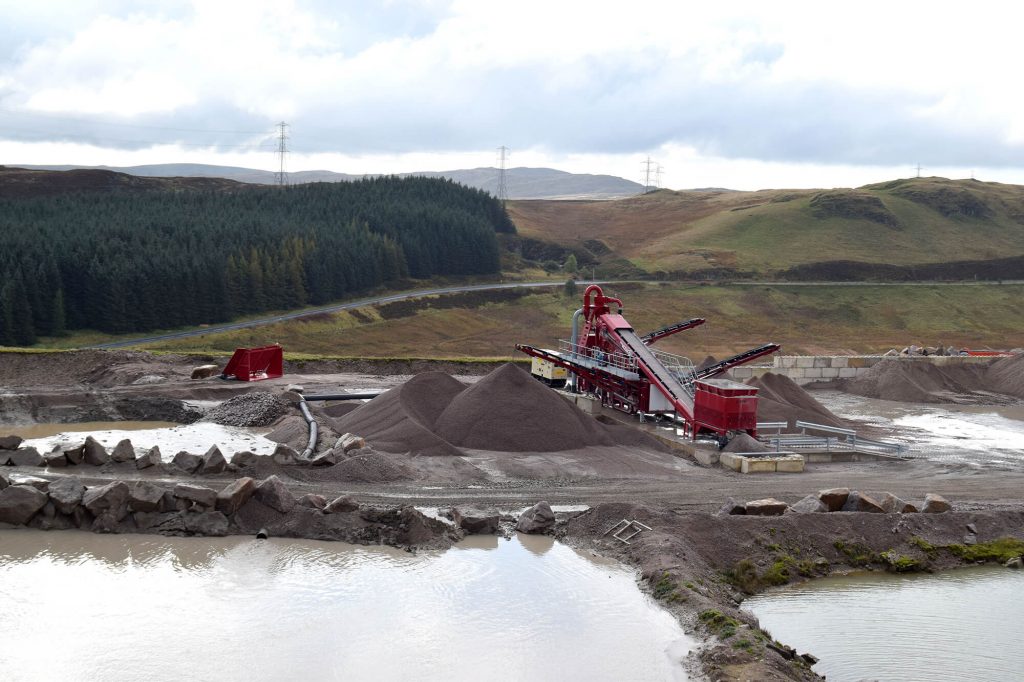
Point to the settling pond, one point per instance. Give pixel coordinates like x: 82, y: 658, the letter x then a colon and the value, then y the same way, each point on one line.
x: 959, y: 625
x: 130, y: 607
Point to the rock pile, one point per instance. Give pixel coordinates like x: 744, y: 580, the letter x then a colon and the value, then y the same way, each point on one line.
x: 506, y: 411
x: 249, y: 409
x: 244, y: 506
x: 836, y: 500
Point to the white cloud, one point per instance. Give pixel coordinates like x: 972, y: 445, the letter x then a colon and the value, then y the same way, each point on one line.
x: 745, y: 87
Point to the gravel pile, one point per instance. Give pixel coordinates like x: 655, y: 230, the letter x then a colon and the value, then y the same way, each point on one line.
x: 506, y: 411
x: 780, y: 399
x: 249, y: 409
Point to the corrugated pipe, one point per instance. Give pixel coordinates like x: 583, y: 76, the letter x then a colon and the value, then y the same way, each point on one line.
x: 344, y: 396
x: 313, y: 430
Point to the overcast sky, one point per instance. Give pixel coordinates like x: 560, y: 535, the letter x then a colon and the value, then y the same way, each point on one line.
x: 727, y: 94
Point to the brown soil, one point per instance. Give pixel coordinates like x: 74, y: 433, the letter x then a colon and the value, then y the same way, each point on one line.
x: 923, y: 382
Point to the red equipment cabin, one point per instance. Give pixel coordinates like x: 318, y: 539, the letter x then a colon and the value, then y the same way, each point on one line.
x: 255, y: 364
x: 721, y: 406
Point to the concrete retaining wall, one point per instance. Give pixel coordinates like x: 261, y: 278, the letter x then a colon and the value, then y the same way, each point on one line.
x: 804, y: 369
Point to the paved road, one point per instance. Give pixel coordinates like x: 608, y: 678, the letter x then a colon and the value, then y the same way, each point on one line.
x: 375, y: 300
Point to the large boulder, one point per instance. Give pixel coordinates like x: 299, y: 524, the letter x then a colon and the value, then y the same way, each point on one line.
x: 150, y: 458
x: 273, y: 493
x: 345, y: 503
x: 834, y: 498
x: 809, y: 504
x: 537, y: 519
x: 209, y: 523
x: 200, y: 495
x: 10, y: 442
x: 4, y: 480
x: 284, y: 454
x: 243, y: 458
x: 476, y: 521
x: 188, y: 462
x: 205, y: 371
x: 109, y: 501
x: 40, y: 484
x: 25, y: 457
x: 213, y: 461
x: 123, y: 452
x: 75, y: 455
x: 935, y: 504
x: 55, y: 459
x: 145, y: 497
x: 312, y: 500
x: 94, y: 453
x: 768, y: 506
x: 894, y: 505
x: 19, y: 503
x: 235, y: 494
x: 66, y: 494
x: 862, y: 502
x: 349, y: 442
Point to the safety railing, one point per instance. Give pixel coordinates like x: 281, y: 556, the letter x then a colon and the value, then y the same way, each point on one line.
x: 836, y: 438
x: 618, y: 360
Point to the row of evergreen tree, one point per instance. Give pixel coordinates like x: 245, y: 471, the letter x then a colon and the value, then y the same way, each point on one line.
x: 136, y: 261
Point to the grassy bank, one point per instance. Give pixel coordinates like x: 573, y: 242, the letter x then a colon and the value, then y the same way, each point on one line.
x: 805, y: 319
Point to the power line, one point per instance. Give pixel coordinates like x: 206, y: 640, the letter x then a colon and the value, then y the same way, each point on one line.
x: 918, y: 169
x: 503, y: 153
x: 282, y: 151
x: 100, y: 140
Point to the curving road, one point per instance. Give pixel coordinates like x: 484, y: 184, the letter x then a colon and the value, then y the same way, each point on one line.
x: 375, y: 300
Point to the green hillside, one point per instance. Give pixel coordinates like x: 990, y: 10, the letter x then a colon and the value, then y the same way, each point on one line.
x: 906, y: 223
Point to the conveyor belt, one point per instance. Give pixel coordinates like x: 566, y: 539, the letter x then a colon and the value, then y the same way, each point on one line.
x: 657, y: 373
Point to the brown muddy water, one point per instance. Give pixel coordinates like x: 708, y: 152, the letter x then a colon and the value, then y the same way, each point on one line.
x: 129, y: 607
x: 959, y: 625
x: 171, y: 437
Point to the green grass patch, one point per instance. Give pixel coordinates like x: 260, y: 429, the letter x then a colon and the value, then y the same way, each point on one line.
x: 1001, y: 550
x: 718, y: 623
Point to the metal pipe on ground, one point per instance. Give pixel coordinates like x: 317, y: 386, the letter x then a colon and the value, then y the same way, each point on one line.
x: 367, y: 395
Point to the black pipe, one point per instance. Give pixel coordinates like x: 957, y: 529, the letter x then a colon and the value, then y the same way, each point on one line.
x: 343, y: 396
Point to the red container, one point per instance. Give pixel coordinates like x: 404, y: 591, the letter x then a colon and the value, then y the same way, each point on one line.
x: 255, y: 364
x: 720, y: 405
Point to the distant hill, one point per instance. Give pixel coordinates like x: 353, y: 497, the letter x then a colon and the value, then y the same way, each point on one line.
x: 38, y: 182
x: 920, y: 228
x: 522, y: 183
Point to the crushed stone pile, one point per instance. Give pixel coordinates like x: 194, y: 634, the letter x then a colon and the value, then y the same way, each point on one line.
x: 1006, y: 375
x: 744, y: 442
x: 919, y: 382
x: 510, y: 411
x: 249, y: 409
x: 402, y: 419
x: 506, y: 411
x: 779, y: 398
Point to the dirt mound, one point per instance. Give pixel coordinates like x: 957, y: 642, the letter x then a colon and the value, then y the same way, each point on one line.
x: 919, y: 382
x: 779, y: 399
x: 745, y: 443
x: 402, y: 419
x: 249, y: 409
x: 372, y: 467
x: 508, y: 410
x: 1006, y: 375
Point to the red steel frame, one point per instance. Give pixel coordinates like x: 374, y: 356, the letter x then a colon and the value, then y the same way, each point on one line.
x: 715, y: 409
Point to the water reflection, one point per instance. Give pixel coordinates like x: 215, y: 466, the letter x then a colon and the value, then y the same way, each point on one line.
x: 959, y: 625
x: 236, y: 608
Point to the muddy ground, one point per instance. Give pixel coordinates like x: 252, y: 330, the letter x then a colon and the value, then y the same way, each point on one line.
x: 686, y: 559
